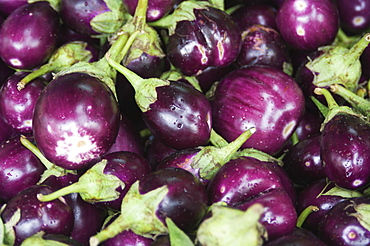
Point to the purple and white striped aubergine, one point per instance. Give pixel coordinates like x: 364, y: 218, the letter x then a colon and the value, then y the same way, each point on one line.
x: 29, y: 35
x: 76, y: 120
x: 262, y: 97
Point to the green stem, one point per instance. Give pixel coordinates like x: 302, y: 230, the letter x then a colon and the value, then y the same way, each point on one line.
x: 134, y: 79
x: 328, y: 97
x: 48, y: 67
x: 357, y: 49
x: 217, y: 140
x: 305, y: 213
x: 73, y: 188
x: 295, y: 138
x: 110, y: 231
x: 29, y: 145
x: 140, y: 14
x: 357, y: 102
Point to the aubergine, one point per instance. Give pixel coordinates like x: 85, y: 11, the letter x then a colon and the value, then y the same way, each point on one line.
x: 262, y: 97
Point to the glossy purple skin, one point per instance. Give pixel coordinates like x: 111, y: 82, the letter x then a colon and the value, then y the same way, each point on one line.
x: 365, y: 62
x: 156, y: 8
x: 128, y: 167
x: 186, y: 200
x: 88, y: 218
x: 17, y: 106
x: 248, y: 15
x: 180, y: 117
x: 279, y: 216
x: 308, y: 197
x: 295, y: 240
x: 183, y: 159
x: 308, y: 24
x: 212, y: 39
x: 57, y: 216
x: 6, y: 131
x: 147, y: 65
x: 262, y: 45
x: 303, y: 162
x: 210, y: 75
x: 242, y: 179
x: 29, y: 35
x: 7, y: 7
x: 341, y: 227
x: 309, y: 125
x: 353, y: 15
x: 262, y: 97
x: 128, y: 138
x: 128, y: 238
x: 19, y: 168
x: 77, y: 14
x: 155, y: 152
x: 345, y: 151
x: 75, y: 121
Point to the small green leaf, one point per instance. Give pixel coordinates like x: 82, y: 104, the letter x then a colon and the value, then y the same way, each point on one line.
x: 230, y: 226
x: 177, y: 236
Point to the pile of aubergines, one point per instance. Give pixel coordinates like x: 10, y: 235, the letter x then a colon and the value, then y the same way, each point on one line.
x: 184, y: 123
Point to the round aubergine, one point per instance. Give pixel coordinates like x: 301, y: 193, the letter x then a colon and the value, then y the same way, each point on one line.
x: 29, y: 35
x: 76, y: 120
x: 262, y: 97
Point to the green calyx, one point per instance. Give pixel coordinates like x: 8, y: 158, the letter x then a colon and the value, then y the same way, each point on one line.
x: 184, y: 12
x: 221, y: 228
x: 64, y: 57
x: 138, y: 213
x: 339, y: 65
x: 93, y: 186
x: 109, y: 22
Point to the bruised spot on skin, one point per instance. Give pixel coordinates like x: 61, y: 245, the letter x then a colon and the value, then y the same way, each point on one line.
x: 204, y: 58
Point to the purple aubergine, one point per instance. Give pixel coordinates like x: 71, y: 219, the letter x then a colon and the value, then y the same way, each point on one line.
x: 92, y: 17
x: 155, y: 152
x: 295, y: 240
x: 303, y: 162
x: 251, y: 14
x: 128, y: 138
x: 6, y: 131
x: 17, y: 106
x: 186, y: 201
x: 262, y: 97
x: 29, y: 35
x: 50, y: 239
x: 80, y: 125
x: 128, y: 167
x: 242, y: 179
x: 175, y: 112
x: 182, y: 159
x: 57, y: 216
x: 88, y: 218
x: 344, y: 224
x: 315, y: 194
x: 279, y: 216
x: 210, y: 75
x: 308, y: 24
x: 309, y: 125
x: 354, y: 18
x: 181, y: 116
x: 345, y: 151
x: 156, y: 8
x: 262, y: 45
x: 7, y: 7
x: 19, y: 168
x: 211, y: 38
x: 128, y: 238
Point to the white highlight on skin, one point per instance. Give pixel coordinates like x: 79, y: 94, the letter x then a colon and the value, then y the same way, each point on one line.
x: 76, y: 147
x: 358, y: 21
x: 203, y: 52
x: 300, y: 5
x: 15, y: 62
